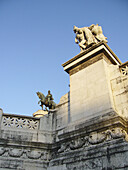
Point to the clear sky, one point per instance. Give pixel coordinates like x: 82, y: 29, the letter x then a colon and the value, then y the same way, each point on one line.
x: 36, y: 37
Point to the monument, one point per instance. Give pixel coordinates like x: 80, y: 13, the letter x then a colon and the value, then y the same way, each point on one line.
x: 88, y: 129
x: 47, y: 101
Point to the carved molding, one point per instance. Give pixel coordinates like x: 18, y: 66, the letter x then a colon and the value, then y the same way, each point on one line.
x: 26, y: 154
x: 90, y: 164
x: 19, y: 122
x: 15, y: 152
x: 2, y: 151
x: 93, y: 139
x: 86, y: 64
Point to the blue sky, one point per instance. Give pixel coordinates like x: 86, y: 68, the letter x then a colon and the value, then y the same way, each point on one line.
x: 36, y: 37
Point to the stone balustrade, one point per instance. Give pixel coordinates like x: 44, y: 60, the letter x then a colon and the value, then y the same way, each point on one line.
x: 124, y: 69
x: 26, y: 128
x: 18, y: 121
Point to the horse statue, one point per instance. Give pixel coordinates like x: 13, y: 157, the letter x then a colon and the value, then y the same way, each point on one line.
x: 47, y: 101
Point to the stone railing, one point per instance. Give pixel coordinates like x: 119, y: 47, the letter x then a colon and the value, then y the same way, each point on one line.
x: 26, y: 128
x: 18, y: 121
x: 124, y: 69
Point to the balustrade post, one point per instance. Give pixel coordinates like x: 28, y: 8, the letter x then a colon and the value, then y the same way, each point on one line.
x: 46, y: 128
x: 46, y: 123
x: 1, y: 114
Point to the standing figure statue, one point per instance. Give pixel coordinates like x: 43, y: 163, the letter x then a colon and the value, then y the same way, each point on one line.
x: 47, y: 101
x: 87, y: 36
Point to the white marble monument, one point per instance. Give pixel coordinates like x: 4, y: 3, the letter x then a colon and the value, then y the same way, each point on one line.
x: 88, y: 129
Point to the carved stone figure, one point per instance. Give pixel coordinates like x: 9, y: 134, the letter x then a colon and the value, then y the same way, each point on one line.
x: 88, y: 36
x: 84, y: 37
x: 98, y: 33
x: 47, y: 101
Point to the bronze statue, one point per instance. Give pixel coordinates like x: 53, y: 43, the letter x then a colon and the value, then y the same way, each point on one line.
x: 47, y: 101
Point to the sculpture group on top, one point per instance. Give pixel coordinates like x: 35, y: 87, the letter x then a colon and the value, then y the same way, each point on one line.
x: 47, y: 101
x: 87, y: 36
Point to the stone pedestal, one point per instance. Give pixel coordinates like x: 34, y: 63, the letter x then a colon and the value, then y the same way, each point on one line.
x: 40, y: 113
x: 90, y: 91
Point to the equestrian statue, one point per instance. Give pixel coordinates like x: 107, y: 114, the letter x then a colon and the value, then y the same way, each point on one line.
x: 47, y: 101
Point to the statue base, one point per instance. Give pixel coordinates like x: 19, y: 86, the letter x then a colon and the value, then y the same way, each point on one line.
x: 40, y: 113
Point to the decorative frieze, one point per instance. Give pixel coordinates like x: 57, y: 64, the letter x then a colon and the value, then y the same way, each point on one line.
x: 24, y: 153
x: 93, y: 139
